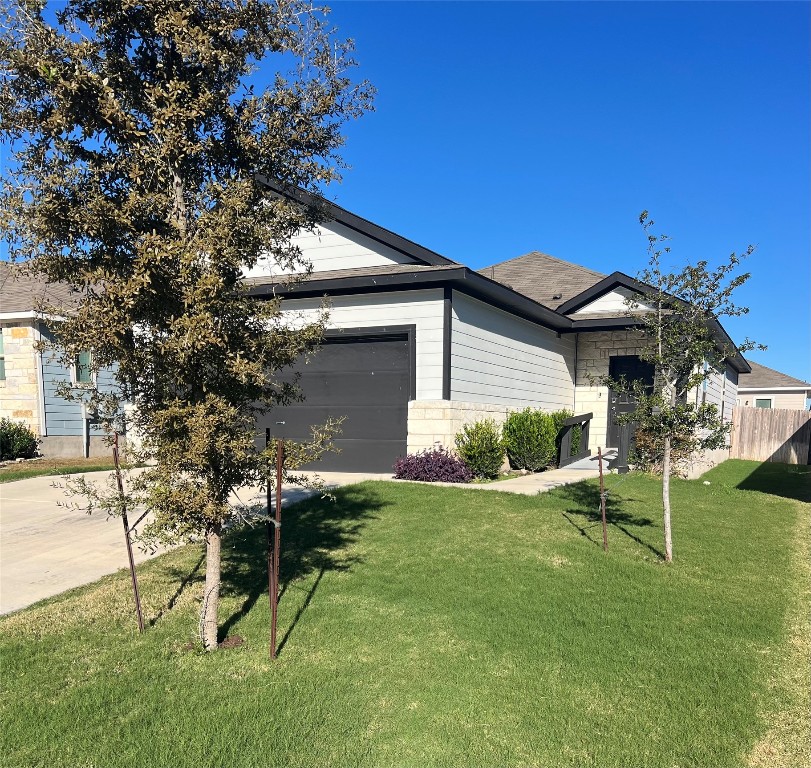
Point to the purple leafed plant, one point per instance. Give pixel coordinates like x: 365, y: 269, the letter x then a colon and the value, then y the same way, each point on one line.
x: 432, y: 466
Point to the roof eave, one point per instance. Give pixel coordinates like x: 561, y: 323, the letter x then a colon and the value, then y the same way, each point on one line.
x: 460, y: 278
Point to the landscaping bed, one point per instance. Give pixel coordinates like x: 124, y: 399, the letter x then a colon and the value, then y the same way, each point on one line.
x: 432, y: 626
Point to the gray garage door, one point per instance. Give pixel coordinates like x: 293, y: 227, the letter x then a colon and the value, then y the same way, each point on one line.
x: 367, y: 380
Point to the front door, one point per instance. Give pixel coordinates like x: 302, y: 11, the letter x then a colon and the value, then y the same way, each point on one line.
x: 630, y: 368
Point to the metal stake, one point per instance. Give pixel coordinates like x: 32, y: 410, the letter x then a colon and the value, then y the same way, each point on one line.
x: 602, y: 498
x: 277, y: 535
x: 271, y: 569
x: 120, y: 482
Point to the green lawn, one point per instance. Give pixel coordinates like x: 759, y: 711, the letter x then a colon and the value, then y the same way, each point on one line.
x: 44, y: 467
x: 425, y: 626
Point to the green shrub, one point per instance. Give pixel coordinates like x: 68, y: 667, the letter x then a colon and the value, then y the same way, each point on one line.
x: 529, y: 438
x: 17, y: 441
x: 481, y: 448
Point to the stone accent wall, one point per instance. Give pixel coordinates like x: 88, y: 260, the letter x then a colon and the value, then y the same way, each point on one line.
x: 593, y: 352
x: 436, y: 422
x: 19, y: 393
x: 705, y: 461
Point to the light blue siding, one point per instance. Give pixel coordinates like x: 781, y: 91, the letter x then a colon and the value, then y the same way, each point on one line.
x: 63, y: 418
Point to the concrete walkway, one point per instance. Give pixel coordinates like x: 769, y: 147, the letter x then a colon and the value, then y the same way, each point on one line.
x: 47, y: 548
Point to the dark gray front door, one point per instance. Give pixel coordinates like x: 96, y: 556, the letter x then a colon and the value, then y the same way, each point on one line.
x: 367, y: 380
x: 630, y: 368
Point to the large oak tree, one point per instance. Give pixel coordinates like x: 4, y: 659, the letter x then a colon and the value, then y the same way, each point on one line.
x: 134, y: 136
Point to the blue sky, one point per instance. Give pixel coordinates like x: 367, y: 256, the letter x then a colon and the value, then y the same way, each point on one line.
x: 506, y: 127
x: 502, y: 128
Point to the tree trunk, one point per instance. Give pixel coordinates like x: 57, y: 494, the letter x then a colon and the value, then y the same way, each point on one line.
x: 666, y: 500
x: 211, y: 593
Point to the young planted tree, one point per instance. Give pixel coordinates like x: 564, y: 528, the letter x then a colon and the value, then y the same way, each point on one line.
x: 678, y: 314
x: 137, y: 133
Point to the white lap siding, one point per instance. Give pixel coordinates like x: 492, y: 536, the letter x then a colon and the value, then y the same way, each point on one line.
x: 423, y: 309
x: 334, y: 246
x: 501, y: 359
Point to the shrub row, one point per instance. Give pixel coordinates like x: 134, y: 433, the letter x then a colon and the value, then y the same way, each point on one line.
x: 529, y: 438
x: 17, y: 441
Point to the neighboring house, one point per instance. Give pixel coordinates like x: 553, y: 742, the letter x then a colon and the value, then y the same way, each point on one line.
x: 419, y: 344
x: 766, y: 388
x: 28, y: 377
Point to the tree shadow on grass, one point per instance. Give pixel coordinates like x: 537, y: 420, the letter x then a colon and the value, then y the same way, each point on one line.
x: 791, y: 481
x: 585, y: 499
x: 185, y: 578
x: 316, y: 534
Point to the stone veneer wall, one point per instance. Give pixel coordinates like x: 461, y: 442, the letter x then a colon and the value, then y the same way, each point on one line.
x: 19, y: 393
x: 593, y: 352
x: 433, y: 422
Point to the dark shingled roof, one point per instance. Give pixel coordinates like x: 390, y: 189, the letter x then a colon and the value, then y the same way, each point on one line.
x: 543, y: 278
x: 767, y: 378
x: 20, y: 292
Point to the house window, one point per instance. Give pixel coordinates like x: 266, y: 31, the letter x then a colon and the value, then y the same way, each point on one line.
x: 763, y: 402
x: 2, y: 358
x: 83, y: 373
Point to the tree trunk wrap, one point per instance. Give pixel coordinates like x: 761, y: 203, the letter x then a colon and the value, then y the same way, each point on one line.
x: 211, y: 593
x: 666, y: 500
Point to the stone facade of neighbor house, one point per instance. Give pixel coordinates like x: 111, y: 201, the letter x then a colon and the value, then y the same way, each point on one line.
x: 28, y: 388
x: 19, y: 390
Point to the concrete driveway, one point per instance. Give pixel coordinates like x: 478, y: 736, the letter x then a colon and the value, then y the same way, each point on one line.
x: 46, y: 549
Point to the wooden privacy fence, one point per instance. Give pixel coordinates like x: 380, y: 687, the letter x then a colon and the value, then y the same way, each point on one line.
x: 762, y: 434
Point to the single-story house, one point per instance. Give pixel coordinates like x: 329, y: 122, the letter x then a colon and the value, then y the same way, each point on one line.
x: 766, y: 388
x: 419, y: 344
x: 29, y: 377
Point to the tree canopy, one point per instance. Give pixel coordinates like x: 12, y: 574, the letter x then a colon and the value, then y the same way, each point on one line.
x: 138, y: 132
x: 678, y: 314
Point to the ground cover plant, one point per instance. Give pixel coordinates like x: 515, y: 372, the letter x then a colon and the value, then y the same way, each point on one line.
x: 433, y: 626
x: 437, y: 465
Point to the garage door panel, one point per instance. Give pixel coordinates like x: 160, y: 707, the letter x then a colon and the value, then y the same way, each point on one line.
x: 379, y: 387
x: 360, y: 422
x: 365, y: 380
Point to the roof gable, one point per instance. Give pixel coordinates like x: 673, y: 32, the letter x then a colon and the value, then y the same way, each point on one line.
x: 349, y: 222
x: 543, y: 278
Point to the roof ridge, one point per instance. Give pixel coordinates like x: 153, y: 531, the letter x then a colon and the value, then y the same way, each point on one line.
x: 546, y: 256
